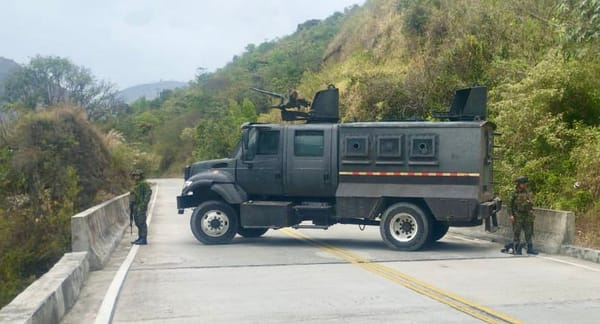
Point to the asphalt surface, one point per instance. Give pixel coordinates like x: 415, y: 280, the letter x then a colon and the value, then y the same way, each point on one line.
x: 339, y: 275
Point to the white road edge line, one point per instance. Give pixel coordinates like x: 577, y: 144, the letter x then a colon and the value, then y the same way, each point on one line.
x: 570, y: 263
x: 106, y: 311
x: 539, y: 256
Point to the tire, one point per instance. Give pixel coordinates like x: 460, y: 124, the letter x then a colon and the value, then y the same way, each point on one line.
x: 214, y: 222
x: 439, y: 230
x: 405, y: 227
x: 251, y: 232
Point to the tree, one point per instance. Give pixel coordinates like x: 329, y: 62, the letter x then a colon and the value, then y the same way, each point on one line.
x: 217, y: 135
x: 51, y: 80
x: 581, y: 19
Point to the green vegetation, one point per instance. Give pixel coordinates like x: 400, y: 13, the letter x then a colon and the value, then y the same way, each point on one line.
x: 391, y: 59
x: 53, y: 163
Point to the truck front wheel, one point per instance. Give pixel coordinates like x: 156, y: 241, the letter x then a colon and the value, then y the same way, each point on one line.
x: 404, y: 226
x: 214, y: 222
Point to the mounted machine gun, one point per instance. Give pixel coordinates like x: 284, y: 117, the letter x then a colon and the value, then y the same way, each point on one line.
x: 323, y: 109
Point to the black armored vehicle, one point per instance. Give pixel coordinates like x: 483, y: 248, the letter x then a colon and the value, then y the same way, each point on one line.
x: 413, y: 179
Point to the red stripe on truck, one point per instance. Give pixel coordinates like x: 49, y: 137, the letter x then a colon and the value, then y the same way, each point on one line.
x: 408, y: 174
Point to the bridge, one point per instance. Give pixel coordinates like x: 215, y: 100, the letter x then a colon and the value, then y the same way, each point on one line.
x: 340, y: 275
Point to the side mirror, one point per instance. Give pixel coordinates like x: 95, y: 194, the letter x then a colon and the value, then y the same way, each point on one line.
x: 187, y: 172
x: 244, y: 143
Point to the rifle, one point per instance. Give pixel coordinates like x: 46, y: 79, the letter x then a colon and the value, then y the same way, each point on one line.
x: 131, y: 219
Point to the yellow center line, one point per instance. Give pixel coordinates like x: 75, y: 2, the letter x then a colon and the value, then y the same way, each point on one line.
x: 482, y: 313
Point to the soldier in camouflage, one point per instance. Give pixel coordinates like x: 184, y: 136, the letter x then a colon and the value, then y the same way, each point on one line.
x: 139, y: 198
x: 521, y: 216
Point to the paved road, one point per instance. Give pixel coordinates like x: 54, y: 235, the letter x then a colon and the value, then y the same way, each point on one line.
x: 341, y: 275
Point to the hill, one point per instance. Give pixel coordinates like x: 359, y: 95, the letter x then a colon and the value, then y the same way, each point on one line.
x: 149, y: 90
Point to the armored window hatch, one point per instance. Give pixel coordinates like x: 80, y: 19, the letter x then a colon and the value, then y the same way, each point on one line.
x: 423, y: 149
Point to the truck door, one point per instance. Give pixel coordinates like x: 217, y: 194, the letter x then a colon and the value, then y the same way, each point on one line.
x: 259, y: 171
x: 309, y: 162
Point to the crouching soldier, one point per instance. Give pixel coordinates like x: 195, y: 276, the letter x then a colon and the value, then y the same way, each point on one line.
x: 521, y: 216
x: 139, y: 198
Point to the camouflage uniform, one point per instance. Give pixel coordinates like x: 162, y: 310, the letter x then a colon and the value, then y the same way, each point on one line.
x: 138, y: 206
x: 521, y: 208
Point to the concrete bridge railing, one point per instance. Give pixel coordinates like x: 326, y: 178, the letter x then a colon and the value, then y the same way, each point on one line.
x: 552, y: 230
x: 95, y: 234
x: 99, y: 229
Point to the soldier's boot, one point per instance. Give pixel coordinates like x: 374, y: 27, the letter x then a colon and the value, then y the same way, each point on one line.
x: 507, y: 248
x: 531, y: 250
x: 135, y: 241
x: 141, y: 241
x: 518, y: 249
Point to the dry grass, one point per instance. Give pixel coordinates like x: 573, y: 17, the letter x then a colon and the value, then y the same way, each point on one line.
x: 587, y: 229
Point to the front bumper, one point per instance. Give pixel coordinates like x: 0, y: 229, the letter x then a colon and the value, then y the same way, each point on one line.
x: 185, y: 201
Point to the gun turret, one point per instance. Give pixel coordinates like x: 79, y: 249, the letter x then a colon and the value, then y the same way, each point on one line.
x: 324, y: 107
x: 468, y: 104
x: 290, y: 101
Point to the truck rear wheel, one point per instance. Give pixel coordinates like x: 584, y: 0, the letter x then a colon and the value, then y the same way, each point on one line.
x: 214, y: 222
x: 404, y: 226
x: 252, y: 232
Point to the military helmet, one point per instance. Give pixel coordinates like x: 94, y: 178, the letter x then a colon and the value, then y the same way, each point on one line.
x: 522, y: 179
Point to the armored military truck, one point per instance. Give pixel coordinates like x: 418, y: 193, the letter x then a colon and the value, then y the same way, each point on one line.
x: 413, y: 179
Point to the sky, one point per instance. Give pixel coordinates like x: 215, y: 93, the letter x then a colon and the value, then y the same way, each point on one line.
x: 131, y: 42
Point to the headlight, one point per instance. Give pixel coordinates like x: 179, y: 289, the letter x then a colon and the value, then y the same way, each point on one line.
x: 187, y: 184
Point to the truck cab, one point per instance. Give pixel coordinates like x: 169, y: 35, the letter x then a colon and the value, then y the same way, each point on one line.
x: 291, y: 161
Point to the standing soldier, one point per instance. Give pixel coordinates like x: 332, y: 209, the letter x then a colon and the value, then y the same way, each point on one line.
x: 139, y: 198
x: 521, y: 216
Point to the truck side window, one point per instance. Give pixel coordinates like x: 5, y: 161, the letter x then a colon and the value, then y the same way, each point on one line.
x: 308, y: 143
x: 268, y: 143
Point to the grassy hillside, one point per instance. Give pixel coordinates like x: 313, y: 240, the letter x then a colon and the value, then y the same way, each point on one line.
x: 539, y: 59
